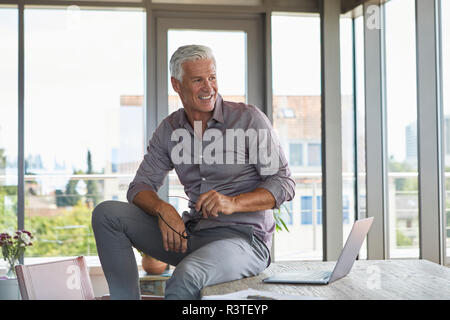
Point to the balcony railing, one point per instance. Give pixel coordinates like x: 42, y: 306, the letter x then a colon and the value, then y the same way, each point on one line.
x: 403, y: 204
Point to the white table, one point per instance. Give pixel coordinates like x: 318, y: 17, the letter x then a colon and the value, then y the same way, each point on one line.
x: 368, y: 279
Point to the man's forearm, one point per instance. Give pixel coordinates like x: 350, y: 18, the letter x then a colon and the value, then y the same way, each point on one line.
x: 150, y: 202
x: 173, y: 229
x: 256, y: 200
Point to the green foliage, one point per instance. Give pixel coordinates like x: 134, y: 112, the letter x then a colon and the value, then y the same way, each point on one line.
x: 395, y: 166
x: 448, y: 217
x: 407, y: 183
x: 2, y: 159
x: 68, y: 234
x: 71, y: 196
x: 8, y: 216
x: 93, y: 195
x: 279, y: 222
x: 402, y: 240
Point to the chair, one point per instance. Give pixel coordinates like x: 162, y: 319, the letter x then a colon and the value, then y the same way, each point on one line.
x: 59, y: 280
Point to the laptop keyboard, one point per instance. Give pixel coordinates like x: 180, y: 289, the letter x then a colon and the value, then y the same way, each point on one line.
x: 319, y: 275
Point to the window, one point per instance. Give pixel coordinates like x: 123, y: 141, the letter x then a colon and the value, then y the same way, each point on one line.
x: 348, y: 123
x: 401, y: 115
x: 307, y: 210
x: 296, y: 85
x: 295, y: 154
x: 174, y: 202
x: 445, y: 45
x: 310, y: 213
x: 346, y: 210
x: 314, y: 155
x: 360, y: 124
x: 287, y: 213
x: 319, y: 209
x: 84, y: 120
x: 213, y: 2
x: 287, y: 113
x: 8, y: 118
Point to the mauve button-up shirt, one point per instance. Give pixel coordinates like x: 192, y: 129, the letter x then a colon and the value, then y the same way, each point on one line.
x: 229, y: 178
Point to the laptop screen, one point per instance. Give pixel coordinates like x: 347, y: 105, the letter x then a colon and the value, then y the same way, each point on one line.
x: 351, y: 248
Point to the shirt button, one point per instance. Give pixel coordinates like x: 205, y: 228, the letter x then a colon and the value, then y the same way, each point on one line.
x: 203, y: 178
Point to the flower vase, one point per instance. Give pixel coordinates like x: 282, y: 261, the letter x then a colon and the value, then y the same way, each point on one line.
x: 11, y: 271
x: 9, y: 287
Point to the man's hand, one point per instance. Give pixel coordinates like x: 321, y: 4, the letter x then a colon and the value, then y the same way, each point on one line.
x: 172, y: 241
x: 213, y: 202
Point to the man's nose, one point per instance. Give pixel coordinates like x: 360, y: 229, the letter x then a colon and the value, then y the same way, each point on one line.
x: 207, y: 86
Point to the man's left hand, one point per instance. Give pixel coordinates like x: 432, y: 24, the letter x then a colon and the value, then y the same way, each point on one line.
x: 213, y: 202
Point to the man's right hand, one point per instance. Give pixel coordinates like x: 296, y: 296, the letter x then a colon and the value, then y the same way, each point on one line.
x: 149, y: 201
x: 172, y: 241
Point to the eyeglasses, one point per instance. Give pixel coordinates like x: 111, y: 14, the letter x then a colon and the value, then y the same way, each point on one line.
x: 184, y: 235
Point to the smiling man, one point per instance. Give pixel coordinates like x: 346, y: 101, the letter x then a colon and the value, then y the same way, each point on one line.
x: 228, y: 231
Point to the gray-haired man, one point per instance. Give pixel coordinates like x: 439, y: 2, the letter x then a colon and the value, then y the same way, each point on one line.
x: 227, y: 233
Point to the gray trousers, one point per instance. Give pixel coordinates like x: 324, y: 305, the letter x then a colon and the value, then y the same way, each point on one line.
x: 213, y: 255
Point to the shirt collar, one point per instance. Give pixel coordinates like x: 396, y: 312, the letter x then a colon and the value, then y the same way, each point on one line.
x: 218, y: 109
x: 183, y: 119
x: 217, y: 112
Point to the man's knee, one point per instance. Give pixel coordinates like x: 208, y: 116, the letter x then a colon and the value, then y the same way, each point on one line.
x: 185, y: 284
x: 102, y: 211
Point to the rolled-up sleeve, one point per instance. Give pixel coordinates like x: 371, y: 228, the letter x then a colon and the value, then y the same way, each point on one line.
x: 276, y: 177
x: 155, y: 165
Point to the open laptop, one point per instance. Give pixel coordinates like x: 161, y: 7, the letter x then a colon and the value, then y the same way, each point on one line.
x: 343, y: 265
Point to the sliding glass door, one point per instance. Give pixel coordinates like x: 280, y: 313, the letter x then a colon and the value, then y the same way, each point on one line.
x: 8, y: 117
x: 236, y: 46
x: 84, y: 120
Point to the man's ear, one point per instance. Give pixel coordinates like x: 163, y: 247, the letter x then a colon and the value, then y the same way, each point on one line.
x: 176, y: 84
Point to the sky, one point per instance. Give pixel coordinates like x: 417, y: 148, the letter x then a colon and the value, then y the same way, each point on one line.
x: 79, y: 63
x: 73, y: 82
x: 400, y: 73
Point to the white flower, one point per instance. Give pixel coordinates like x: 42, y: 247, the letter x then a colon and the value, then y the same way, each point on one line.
x: 23, y: 245
x: 25, y: 238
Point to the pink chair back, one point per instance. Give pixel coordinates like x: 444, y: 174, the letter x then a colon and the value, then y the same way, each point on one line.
x: 60, y: 280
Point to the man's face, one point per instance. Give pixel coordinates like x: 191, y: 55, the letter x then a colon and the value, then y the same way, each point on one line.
x: 198, y: 90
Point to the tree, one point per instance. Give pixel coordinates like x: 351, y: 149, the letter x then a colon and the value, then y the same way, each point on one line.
x: 71, y: 196
x: 60, y: 198
x: 402, y: 240
x: 92, y: 195
x: 407, y: 183
x: 68, y: 234
x: 8, y: 216
x: 2, y: 159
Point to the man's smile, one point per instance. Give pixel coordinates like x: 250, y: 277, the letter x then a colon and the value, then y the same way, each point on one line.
x: 206, y: 97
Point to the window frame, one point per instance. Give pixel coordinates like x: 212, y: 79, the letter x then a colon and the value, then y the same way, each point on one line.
x: 376, y: 195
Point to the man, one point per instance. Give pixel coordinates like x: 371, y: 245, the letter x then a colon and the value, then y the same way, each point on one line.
x: 228, y: 231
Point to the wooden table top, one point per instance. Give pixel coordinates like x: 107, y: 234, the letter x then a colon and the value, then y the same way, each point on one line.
x: 368, y: 279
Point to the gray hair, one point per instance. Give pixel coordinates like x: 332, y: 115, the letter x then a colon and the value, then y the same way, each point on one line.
x: 190, y: 52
